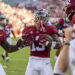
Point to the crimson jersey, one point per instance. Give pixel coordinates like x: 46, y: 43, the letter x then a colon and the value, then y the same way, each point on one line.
x: 72, y: 2
x: 2, y: 35
x: 70, y: 8
x: 37, y: 48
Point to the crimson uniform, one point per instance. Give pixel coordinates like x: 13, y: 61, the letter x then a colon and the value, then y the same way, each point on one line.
x: 37, y: 49
x: 2, y: 35
x: 8, y: 29
x: 6, y: 46
x: 2, y: 38
x: 39, y: 60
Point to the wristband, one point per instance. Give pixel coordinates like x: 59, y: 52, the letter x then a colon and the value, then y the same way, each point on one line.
x: 66, y: 43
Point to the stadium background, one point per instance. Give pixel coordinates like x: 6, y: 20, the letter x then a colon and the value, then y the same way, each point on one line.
x: 20, y: 13
x: 23, y: 11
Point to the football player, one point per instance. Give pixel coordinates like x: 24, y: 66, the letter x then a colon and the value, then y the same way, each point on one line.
x: 60, y: 68
x: 42, y: 36
x: 4, y: 43
x: 9, y: 29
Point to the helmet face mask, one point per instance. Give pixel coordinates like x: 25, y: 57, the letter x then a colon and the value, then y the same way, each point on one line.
x: 2, y: 21
x: 41, y: 16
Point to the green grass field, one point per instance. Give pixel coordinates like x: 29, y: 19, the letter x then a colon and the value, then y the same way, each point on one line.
x: 18, y: 61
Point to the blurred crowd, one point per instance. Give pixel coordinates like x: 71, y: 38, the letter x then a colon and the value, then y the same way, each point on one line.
x: 18, y: 17
x: 22, y: 14
x: 55, y: 7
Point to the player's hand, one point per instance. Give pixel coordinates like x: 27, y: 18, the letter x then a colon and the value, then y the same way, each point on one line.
x: 45, y: 39
x: 68, y: 33
x: 29, y: 41
x: 20, y: 44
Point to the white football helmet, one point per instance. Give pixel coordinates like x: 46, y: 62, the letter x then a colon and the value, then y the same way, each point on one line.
x: 42, y: 15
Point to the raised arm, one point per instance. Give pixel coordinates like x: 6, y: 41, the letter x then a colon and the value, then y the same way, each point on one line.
x: 12, y: 48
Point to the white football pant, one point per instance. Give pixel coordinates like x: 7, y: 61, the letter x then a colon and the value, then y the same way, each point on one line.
x: 2, y: 72
x: 37, y: 65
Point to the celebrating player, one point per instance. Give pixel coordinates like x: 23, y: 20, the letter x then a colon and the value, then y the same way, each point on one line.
x: 42, y: 36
